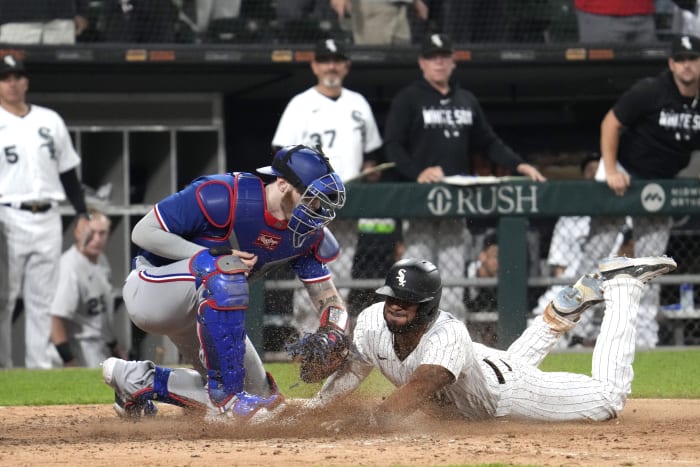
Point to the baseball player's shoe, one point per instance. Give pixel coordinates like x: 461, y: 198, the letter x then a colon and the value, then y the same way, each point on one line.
x: 644, y: 269
x: 570, y: 302
x: 124, y: 406
x: 133, y: 409
x: 243, y: 407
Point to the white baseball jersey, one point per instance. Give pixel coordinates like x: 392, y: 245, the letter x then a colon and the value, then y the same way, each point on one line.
x: 344, y: 128
x: 34, y: 150
x: 493, y: 383
x: 84, y: 300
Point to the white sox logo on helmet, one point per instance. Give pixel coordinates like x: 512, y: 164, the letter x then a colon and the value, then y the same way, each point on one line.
x: 401, y: 277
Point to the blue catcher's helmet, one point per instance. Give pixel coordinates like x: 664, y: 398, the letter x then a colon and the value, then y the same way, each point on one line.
x: 299, y: 165
x: 309, y: 171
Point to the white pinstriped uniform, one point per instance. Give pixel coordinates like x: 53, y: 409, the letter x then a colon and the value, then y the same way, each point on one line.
x: 524, y: 391
x: 34, y: 150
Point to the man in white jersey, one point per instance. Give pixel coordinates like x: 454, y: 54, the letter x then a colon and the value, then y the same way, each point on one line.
x: 341, y: 122
x: 82, y: 314
x: 328, y: 115
x: 38, y: 169
x: 428, y: 354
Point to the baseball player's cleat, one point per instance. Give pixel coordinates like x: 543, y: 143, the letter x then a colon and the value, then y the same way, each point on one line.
x: 643, y: 269
x: 124, y: 406
x: 571, y: 301
x: 564, y: 311
x: 243, y: 407
x: 133, y: 409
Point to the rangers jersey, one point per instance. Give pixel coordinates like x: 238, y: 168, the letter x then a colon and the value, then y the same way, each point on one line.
x: 206, y: 212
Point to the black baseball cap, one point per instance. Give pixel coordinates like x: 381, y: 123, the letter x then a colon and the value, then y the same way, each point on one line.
x: 10, y: 64
x: 436, y: 44
x: 685, y: 45
x: 327, y: 49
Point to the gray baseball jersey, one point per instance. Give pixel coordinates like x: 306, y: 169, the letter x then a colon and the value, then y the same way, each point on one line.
x: 494, y: 383
x: 84, y: 299
x: 34, y: 150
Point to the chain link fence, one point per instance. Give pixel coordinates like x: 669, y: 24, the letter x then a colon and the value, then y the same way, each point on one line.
x: 556, y: 249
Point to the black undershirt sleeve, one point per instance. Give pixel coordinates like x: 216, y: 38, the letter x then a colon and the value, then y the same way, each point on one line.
x: 74, y: 191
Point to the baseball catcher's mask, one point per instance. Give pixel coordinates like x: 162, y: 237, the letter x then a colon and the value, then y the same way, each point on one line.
x: 309, y: 171
x: 317, y: 207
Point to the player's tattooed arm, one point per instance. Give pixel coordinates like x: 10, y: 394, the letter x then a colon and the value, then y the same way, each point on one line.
x: 323, y: 294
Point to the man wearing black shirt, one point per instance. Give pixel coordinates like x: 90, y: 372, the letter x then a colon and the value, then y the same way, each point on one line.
x: 432, y: 130
x: 649, y: 134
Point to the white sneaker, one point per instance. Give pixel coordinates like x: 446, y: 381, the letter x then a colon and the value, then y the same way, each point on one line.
x: 644, y: 269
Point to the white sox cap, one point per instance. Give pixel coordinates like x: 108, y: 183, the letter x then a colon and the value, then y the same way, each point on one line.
x: 10, y: 64
x: 327, y: 49
x: 685, y: 45
x: 436, y: 44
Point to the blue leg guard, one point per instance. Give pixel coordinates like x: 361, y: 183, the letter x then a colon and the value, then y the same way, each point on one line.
x: 222, y: 336
x: 221, y: 322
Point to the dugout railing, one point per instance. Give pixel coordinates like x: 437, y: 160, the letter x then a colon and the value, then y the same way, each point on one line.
x: 513, y: 205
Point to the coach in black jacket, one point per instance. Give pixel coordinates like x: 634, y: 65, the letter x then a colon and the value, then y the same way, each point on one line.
x: 432, y: 129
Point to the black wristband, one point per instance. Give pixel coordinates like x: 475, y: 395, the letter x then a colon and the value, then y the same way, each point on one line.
x: 65, y: 352
x: 84, y: 215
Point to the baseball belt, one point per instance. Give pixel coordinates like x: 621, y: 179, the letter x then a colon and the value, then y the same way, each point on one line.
x: 33, y: 207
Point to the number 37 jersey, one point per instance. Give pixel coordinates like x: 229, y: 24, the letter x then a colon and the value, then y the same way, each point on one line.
x: 34, y: 150
x: 344, y: 128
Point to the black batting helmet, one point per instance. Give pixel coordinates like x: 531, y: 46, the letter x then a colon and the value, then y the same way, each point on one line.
x: 415, y: 281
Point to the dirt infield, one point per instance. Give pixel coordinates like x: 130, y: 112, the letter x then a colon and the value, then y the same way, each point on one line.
x: 649, y: 433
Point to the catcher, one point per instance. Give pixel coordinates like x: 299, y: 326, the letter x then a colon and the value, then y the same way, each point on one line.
x: 200, y: 247
x: 428, y: 354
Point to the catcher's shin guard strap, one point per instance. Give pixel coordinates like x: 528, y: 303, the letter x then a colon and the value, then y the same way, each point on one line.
x: 160, y: 381
x: 159, y: 390
x: 222, y: 337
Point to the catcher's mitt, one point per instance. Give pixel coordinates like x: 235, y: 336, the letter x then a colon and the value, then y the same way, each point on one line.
x: 321, y: 353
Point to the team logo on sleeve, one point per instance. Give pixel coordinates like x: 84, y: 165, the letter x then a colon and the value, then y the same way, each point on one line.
x: 267, y: 240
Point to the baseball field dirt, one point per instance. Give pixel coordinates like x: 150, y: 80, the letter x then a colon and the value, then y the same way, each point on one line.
x: 650, y: 432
